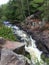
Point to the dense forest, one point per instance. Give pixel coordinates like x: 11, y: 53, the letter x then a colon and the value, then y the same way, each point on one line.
x: 18, y: 10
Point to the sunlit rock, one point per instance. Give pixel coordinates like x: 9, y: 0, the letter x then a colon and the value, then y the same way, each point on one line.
x: 8, y: 57
x: 17, y: 47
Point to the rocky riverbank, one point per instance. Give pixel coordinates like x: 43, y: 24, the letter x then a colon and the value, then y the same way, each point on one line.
x: 35, y: 34
x: 8, y: 57
x: 41, y: 35
x: 12, y: 53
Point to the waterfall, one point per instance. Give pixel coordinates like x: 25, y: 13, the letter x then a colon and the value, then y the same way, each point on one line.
x: 34, y: 52
x: 30, y: 45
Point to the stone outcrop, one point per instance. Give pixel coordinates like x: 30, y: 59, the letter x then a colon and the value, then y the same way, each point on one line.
x: 42, y: 40
x: 17, y: 47
x: 41, y: 36
x: 8, y: 57
x: 10, y: 53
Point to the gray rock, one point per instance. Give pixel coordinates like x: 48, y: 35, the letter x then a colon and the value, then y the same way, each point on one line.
x: 2, y: 40
x: 17, y: 47
x: 42, y: 39
x: 8, y: 57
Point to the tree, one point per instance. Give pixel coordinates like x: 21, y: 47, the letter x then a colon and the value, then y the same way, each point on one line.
x: 18, y: 10
x: 46, y: 10
x: 28, y: 7
x: 15, y: 10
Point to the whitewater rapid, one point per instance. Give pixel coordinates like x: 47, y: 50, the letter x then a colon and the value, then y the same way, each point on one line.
x: 30, y: 45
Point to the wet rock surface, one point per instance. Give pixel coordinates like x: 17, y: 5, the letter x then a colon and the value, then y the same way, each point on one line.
x: 41, y: 37
x: 8, y: 57
x: 42, y: 40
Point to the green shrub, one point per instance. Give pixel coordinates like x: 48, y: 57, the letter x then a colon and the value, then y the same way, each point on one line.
x: 45, y: 59
x: 7, y: 33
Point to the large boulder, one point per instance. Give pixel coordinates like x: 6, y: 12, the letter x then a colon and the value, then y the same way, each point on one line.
x: 8, y: 57
x: 17, y: 47
x: 42, y: 40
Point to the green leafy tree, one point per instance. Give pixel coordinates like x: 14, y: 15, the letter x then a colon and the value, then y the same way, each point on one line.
x: 18, y: 10
x: 46, y: 10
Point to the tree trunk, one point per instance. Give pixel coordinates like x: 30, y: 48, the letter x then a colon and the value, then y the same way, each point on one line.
x: 28, y: 7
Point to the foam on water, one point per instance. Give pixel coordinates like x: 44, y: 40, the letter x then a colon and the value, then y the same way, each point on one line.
x: 34, y: 52
x: 30, y: 45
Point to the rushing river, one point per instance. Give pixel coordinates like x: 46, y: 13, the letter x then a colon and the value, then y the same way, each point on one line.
x: 30, y: 45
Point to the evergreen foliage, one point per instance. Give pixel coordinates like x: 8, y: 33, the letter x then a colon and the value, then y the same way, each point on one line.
x: 18, y: 10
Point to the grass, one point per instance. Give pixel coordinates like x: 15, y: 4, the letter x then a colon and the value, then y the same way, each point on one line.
x: 7, y: 33
x: 46, y: 59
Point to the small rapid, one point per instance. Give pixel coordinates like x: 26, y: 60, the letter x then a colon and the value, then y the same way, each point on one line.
x: 30, y: 45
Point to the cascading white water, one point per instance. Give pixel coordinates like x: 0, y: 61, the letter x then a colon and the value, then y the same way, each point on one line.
x: 34, y: 52
x: 30, y: 45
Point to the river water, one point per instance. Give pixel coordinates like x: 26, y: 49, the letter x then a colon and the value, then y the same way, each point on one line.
x: 30, y: 45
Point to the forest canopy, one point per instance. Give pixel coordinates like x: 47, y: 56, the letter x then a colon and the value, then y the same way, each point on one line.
x: 18, y: 10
